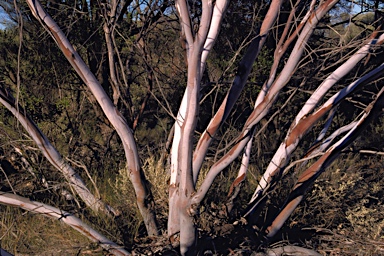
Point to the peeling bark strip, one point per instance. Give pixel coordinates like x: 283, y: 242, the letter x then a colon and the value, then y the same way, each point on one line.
x: 181, y: 183
x: 144, y: 197
x: 65, y: 217
x: 304, y: 120
x: 237, y: 86
x: 307, y: 178
x: 289, y: 68
x: 237, y: 181
x: 53, y: 156
x: 281, y: 48
x: 183, y: 178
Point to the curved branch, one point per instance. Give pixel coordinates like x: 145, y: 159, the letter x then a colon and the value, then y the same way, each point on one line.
x: 262, y: 109
x: 217, y: 17
x: 185, y: 22
x: 65, y: 217
x: 237, y: 86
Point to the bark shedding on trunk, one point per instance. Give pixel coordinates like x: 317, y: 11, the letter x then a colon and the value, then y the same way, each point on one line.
x: 307, y: 178
x: 305, y: 120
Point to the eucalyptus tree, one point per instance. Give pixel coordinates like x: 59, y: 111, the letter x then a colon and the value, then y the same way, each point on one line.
x: 200, y: 25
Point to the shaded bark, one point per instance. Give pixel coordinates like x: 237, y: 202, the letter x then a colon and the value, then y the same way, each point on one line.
x: 244, y: 69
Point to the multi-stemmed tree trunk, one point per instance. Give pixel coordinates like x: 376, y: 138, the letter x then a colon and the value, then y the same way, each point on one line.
x: 189, y: 153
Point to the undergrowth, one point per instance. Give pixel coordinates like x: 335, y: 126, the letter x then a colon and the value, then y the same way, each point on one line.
x: 23, y: 233
x: 346, y: 205
x: 342, y: 214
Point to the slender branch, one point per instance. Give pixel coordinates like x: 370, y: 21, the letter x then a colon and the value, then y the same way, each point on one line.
x: 282, y: 47
x: 217, y: 17
x: 262, y: 109
x: 364, y: 151
x: 52, y: 155
x: 246, y: 155
x: 303, y: 121
x: 320, y: 147
x: 185, y: 22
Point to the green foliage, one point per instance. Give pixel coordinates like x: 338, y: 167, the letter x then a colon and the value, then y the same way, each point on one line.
x: 353, y: 28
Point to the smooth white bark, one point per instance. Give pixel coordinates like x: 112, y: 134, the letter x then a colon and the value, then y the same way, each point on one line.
x: 237, y: 86
x: 279, y: 51
x: 262, y: 109
x: 338, y: 74
x: 327, y: 142
x: 217, y: 17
